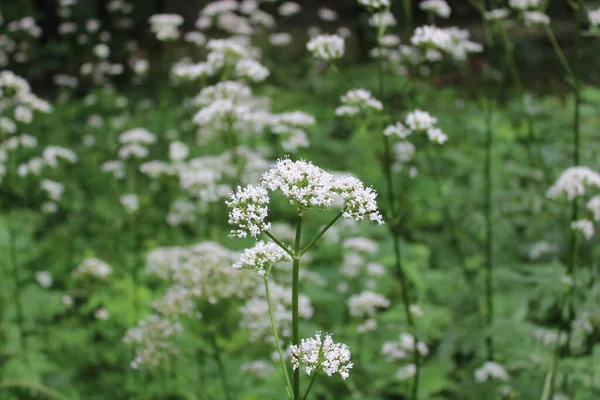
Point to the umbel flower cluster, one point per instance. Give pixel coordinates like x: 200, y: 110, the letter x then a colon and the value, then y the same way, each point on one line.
x: 316, y: 354
x: 417, y: 121
x: 305, y: 186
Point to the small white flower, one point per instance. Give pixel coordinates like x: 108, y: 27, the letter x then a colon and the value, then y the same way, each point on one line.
x: 497, y: 14
x: 288, y: 9
x: 382, y: 19
x: 594, y: 18
x: 406, y: 372
x: 359, y: 202
x: 585, y: 226
x: 374, y: 4
x: 491, y: 369
x: 315, y: 354
x: 327, y: 14
x: 131, y: 202
x: 533, y: 18
x: 44, y: 278
x: 178, y: 151
x: 261, y: 257
x: 524, y: 5
x: 572, y: 183
x: 166, y: 26
x: 366, y: 304
x: 357, y: 100
x: 437, y: 7
x: 248, y: 211
x: 326, y: 47
x: 92, y: 267
x: 102, y: 314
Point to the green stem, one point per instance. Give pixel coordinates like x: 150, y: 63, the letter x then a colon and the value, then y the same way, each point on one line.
x: 573, y: 236
x: 17, y: 290
x: 489, y: 231
x: 279, y: 243
x: 276, y: 336
x: 310, y: 385
x: 407, y: 17
x: 321, y: 233
x: 558, y: 50
x: 35, y: 388
x: 449, y: 221
x: 387, y: 170
x: 295, y: 293
x: 220, y: 365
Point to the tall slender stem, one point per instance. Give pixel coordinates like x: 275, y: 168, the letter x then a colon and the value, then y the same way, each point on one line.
x: 310, y: 385
x: 321, y: 233
x: 387, y: 170
x: 221, y: 366
x: 276, y: 337
x: 489, y: 231
x: 573, y: 236
x: 295, y: 293
x: 12, y: 249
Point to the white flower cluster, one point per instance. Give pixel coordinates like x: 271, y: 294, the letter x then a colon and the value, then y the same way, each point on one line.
x: 594, y: 18
x: 496, y: 14
x: 401, y: 349
x: 437, y: 7
x: 593, y: 205
x: 524, y: 5
x: 223, y: 53
x: 489, y: 370
x: 259, y: 368
x: 550, y: 337
x: 417, y: 121
x: 375, y: 4
x: 288, y: 9
x: 255, y: 312
x: 131, y: 202
x: 359, y: 202
x: 261, y: 257
x: 93, y: 268
x: 326, y: 47
x: 453, y: 41
x: 572, y: 183
x: 166, y: 26
x: 357, y: 251
x: 357, y: 100
x: 382, y: 19
x: 153, y: 340
x: 533, y: 18
x: 366, y: 304
x: 200, y: 272
x: 249, y: 209
x: 584, y: 226
x: 306, y: 186
x: 44, y: 278
x: 315, y: 354
x: 251, y: 70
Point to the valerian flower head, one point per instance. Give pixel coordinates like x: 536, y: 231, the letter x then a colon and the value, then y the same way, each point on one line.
x: 261, y: 257
x: 358, y: 100
x: 437, y: 7
x: 374, y: 4
x: 523, y: 5
x: 417, y: 121
x: 303, y: 183
x: 153, y: 338
x: 326, y: 47
x: 572, y: 183
x: 585, y: 226
x: 359, y: 202
x: 249, y: 209
x: 315, y: 354
x: 491, y: 369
